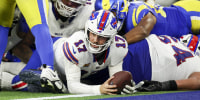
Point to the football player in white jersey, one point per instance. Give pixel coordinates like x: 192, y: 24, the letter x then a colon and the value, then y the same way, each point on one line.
x: 164, y: 63
x: 64, y: 18
x: 86, y: 54
x: 85, y: 60
x: 68, y: 16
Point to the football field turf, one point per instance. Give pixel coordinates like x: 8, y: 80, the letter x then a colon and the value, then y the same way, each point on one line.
x: 164, y: 95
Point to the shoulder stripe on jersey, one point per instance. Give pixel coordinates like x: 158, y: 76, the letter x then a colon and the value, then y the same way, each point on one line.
x: 139, y: 10
x: 134, y: 18
x: 103, y: 20
x: 68, y: 53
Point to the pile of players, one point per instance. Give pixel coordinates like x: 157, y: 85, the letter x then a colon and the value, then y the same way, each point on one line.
x: 75, y: 46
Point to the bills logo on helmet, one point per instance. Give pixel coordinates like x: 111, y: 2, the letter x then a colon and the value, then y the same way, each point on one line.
x: 114, y: 23
x: 94, y: 15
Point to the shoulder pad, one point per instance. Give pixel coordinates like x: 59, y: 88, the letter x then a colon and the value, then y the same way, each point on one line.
x: 75, y: 49
x: 118, y: 49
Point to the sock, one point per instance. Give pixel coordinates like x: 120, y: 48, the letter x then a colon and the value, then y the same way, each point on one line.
x: 3, y: 39
x: 44, y: 43
x: 19, y: 85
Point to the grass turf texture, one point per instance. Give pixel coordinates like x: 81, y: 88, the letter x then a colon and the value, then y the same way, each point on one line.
x: 10, y: 95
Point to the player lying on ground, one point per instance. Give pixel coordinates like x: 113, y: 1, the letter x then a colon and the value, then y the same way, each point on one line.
x: 85, y: 60
x: 165, y: 64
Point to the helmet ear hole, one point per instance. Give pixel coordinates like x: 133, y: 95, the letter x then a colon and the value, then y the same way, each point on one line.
x: 122, y: 5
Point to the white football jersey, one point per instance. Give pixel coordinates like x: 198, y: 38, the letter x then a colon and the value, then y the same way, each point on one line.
x: 72, y: 57
x: 58, y: 28
x: 170, y: 59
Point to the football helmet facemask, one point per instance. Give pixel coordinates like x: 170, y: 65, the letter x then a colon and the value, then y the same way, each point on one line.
x: 69, y: 8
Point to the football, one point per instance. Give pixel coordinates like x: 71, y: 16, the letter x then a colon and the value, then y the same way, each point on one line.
x: 121, y: 79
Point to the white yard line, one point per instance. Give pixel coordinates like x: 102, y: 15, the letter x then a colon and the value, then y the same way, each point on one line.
x: 58, y: 97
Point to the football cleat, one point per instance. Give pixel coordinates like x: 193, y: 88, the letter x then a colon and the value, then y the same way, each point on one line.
x: 49, y: 78
x: 51, y: 82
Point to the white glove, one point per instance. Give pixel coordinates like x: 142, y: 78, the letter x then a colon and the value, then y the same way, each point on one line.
x: 131, y: 89
x: 49, y: 78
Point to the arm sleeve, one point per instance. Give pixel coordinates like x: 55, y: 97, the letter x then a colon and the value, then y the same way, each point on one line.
x: 73, y: 75
x: 116, y: 68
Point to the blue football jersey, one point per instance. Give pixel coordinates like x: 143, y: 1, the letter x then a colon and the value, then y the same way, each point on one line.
x: 170, y: 20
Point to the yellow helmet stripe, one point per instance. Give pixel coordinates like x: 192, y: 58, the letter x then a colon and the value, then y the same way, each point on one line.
x: 126, y: 4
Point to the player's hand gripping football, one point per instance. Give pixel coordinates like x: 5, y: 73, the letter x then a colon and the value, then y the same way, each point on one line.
x: 106, y: 88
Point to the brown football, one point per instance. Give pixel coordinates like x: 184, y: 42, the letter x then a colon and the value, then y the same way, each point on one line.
x: 121, y: 79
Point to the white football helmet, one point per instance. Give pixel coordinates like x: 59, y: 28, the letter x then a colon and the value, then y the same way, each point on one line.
x: 66, y: 10
x: 192, y: 42
x: 102, y: 23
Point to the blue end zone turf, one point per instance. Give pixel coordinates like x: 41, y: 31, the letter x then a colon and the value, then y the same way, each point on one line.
x: 192, y: 95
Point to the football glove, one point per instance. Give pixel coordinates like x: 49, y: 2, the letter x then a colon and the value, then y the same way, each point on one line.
x: 49, y: 78
x: 131, y: 89
x: 150, y: 86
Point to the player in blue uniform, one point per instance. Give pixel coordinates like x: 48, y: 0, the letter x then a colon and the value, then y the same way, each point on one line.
x: 35, y: 13
x: 141, y: 19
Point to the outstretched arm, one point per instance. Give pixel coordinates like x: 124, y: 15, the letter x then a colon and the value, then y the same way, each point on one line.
x: 192, y: 83
x: 73, y: 75
x: 142, y: 30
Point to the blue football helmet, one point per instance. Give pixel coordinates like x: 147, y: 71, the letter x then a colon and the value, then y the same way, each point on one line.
x: 118, y: 7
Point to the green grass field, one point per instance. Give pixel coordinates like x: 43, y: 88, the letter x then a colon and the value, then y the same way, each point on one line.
x: 12, y: 95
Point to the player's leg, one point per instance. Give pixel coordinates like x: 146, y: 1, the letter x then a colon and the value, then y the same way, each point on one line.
x: 35, y: 13
x: 9, y: 80
x: 7, y: 9
x: 12, y: 81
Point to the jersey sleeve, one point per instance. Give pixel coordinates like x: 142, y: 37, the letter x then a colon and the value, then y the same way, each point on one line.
x: 73, y: 76
x: 137, y: 11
